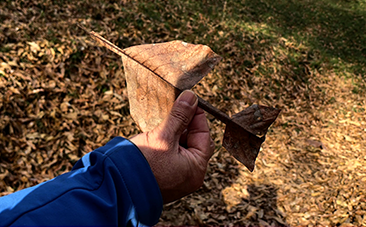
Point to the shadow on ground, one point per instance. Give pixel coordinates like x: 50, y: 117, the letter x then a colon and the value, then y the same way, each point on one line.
x: 334, y: 29
x: 263, y: 199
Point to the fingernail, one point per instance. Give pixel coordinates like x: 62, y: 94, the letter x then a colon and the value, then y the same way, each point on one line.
x: 188, y: 96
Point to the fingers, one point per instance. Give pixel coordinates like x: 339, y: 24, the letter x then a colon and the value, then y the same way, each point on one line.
x: 186, y: 124
x: 198, y: 137
x: 180, y: 116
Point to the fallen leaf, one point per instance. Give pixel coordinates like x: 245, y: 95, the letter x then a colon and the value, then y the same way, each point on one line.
x: 316, y: 144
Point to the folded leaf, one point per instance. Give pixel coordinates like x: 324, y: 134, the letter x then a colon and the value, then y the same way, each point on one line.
x: 181, y: 64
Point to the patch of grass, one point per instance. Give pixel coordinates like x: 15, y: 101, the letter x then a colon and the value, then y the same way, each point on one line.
x: 73, y: 94
x: 355, y: 90
x: 113, y: 66
x: 334, y: 28
x: 77, y: 56
x: 4, y: 49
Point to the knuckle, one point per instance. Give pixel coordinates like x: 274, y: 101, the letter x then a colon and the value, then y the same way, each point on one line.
x: 180, y: 115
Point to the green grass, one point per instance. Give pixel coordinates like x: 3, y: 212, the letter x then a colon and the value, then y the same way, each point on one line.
x: 332, y: 32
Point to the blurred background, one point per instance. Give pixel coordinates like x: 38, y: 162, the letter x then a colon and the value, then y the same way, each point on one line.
x: 62, y: 95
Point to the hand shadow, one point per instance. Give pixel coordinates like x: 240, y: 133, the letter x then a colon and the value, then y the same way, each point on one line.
x: 262, y: 206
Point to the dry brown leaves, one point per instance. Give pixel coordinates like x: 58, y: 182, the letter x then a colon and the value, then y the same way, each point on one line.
x: 54, y: 111
x: 58, y: 102
x: 60, y: 97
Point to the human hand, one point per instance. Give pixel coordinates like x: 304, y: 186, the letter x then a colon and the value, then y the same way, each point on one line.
x: 179, y: 148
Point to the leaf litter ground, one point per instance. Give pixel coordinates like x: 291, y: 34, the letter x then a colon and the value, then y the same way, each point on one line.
x: 62, y: 96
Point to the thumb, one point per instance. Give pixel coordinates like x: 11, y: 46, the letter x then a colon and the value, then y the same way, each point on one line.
x: 181, y: 114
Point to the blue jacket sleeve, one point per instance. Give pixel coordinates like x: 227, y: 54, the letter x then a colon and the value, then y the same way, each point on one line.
x: 110, y: 186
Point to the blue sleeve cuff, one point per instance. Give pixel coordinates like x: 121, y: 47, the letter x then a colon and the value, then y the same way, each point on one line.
x: 138, y: 178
